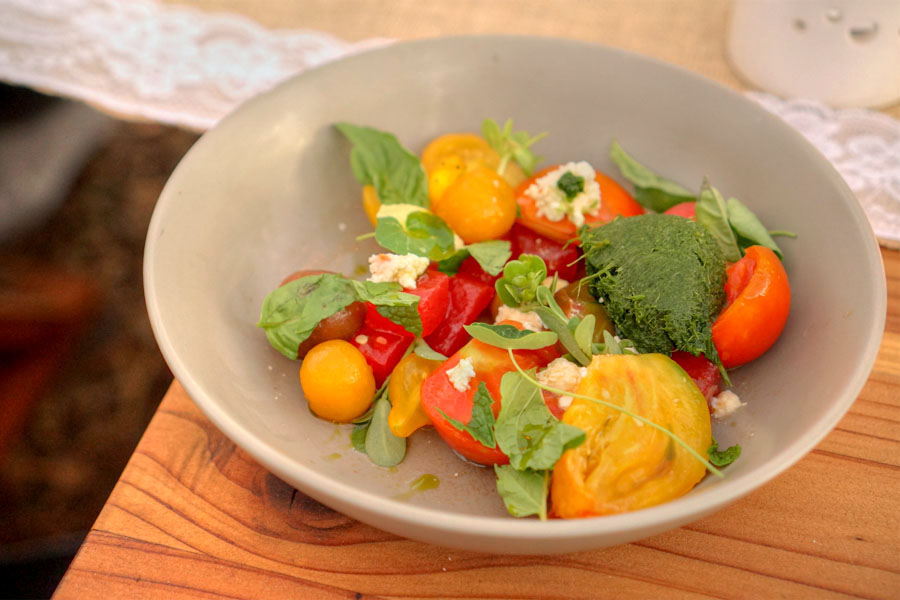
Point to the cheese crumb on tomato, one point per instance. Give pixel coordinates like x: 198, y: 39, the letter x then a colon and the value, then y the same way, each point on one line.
x: 401, y: 268
x: 553, y: 204
x: 564, y: 375
x: 529, y: 320
x: 725, y: 404
x: 560, y: 283
x: 461, y: 374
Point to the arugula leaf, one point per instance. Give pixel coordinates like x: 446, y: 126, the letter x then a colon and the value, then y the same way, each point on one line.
x: 749, y: 229
x: 383, y: 447
x: 524, y: 493
x: 508, y: 336
x: 422, y: 349
x: 522, y: 278
x: 290, y: 313
x: 490, y: 255
x: 526, y: 430
x: 722, y: 458
x: 481, y: 423
x: 650, y: 190
x: 378, y: 159
x: 407, y: 229
x: 712, y: 212
x: 511, y: 145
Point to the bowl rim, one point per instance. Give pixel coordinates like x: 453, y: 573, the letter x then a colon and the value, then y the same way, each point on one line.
x: 351, y: 499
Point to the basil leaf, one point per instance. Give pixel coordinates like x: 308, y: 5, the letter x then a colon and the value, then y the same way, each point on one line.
x: 290, y: 313
x: 521, y: 281
x: 398, y: 306
x: 404, y: 229
x: 511, y: 145
x: 383, y: 447
x: 422, y: 349
x: 378, y: 159
x: 526, y: 430
x: 712, y: 212
x: 510, y: 337
x: 490, y: 255
x: 722, y: 458
x: 650, y: 190
x: 481, y: 423
x: 524, y: 493
x: 584, y: 333
x: 749, y: 229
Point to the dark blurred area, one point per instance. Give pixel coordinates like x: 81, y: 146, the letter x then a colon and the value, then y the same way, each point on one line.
x: 80, y: 372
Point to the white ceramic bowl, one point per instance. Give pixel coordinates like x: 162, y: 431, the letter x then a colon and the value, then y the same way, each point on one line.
x: 270, y: 190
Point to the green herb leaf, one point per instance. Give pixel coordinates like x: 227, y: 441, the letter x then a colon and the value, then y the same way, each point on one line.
x: 383, y: 447
x: 358, y: 436
x: 511, y: 145
x: 508, y: 336
x: 522, y: 278
x: 526, y: 430
x: 290, y: 313
x: 406, y: 229
x: 584, y: 333
x: 422, y: 349
x: 650, y: 190
x: 481, y: 423
x: 378, y: 159
x: 393, y: 303
x: 612, y: 345
x: 722, y: 458
x: 560, y: 326
x: 749, y: 229
x: 490, y: 255
x: 712, y: 212
x: 523, y: 492
x: 570, y: 184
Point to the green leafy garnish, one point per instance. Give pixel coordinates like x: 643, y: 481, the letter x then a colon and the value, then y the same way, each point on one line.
x: 409, y: 229
x: 290, y: 313
x: 711, y: 211
x: 422, y: 349
x: 521, y: 280
x: 650, y: 190
x: 749, y: 229
x: 511, y: 145
x: 490, y: 255
x: 510, y: 337
x: 481, y: 423
x: 383, y: 447
x: 722, y: 458
x: 526, y: 430
x: 524, y: 493
x: 570, y: 184
x: 379, y: 160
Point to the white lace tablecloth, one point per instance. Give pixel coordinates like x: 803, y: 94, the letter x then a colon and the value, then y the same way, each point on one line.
x: 179, y: 66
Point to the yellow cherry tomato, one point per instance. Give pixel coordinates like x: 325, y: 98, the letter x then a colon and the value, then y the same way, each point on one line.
x: 404, y: 390
x: 370, y: 202
x: 337, y: 381
x: 472, y: 151
x: 479, y: 206
x: 443, y: 176
x: 625, y: 464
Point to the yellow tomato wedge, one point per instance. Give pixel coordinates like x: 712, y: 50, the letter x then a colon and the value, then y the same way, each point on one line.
x: 625, y: 464
x: 404, y: 391
x: 370, y: 203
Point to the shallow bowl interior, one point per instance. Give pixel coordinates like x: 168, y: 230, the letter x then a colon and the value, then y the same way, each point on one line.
x: 269, y: 191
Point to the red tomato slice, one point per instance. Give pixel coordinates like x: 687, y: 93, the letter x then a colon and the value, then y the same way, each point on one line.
x: 560, y: 258
x: 468, y: 298
x: 433, y: 290
x: 752, y: 322
x: 702, y: 370
x: 381, y: 349
x: 685, y: 209
x: 614, y: 202
x: 438, y: 393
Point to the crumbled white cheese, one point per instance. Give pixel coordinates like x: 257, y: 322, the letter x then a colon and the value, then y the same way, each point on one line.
x: 560, y: 283
x: 404, y: 269
x: 725, y: 404
x: 461, y: 374
x: 563, y: 375
x: 529, y: 320
x: 553, y: 204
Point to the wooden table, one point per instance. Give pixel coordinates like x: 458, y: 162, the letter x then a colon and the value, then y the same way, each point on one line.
x: 195, y: 517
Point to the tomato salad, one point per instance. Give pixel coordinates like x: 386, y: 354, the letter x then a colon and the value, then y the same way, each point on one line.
x: 549, y: 323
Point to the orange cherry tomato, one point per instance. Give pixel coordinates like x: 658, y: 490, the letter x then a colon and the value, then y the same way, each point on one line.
x: 759, y: 302
x: 448, y: 156
x: 337, y: 381
x: 479, y: 205
x: 614, y: 201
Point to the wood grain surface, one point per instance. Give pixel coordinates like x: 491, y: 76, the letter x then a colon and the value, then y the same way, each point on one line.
x: 195, y: 517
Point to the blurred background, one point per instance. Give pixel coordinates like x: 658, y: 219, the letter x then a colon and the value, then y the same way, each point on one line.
x: 80, y: 372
